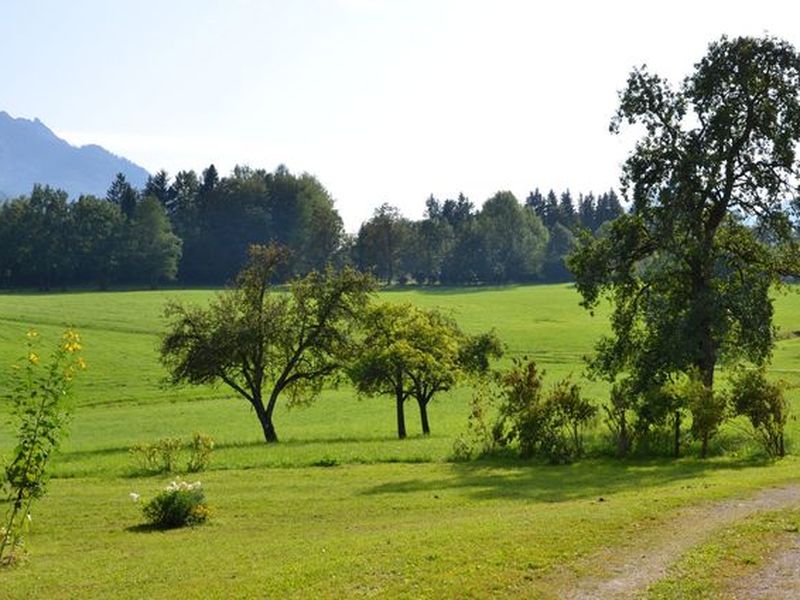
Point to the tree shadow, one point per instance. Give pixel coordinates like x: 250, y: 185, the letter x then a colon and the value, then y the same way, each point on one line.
x: 489, y: 480
x: 143, y: 528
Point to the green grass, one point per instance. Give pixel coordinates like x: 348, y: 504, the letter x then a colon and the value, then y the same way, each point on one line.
x: 390, y: 518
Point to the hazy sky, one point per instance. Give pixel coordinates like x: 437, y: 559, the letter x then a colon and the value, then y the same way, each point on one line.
x: 382, y: 100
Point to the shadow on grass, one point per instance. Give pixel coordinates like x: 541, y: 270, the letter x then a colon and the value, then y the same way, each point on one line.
x: 507, y: 479
x: 448, y: 290
x: 144, y: 528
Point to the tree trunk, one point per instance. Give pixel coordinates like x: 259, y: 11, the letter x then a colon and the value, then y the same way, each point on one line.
x: 423, y: 415
x: 677, y: 449
x: 401, y: 418
x: 623, y: 443
x: 265, y: 418
x: 704, y: 446
x: 702, y: 296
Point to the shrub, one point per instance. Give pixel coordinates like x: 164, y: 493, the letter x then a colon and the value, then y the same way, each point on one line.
x: 200, y: 448
x: 161, y: 457
x: 707, y: 408
x: 178, y: 505
x: 548, y: 425
x: 764, y: 404
x: 479, y: 438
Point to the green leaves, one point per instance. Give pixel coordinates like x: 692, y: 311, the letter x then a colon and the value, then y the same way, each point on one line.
x: 256, y: 339
x: 39, y: 397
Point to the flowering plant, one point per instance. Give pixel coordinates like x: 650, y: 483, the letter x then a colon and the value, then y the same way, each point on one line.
x: 39, y: 399
x: 177, y: 505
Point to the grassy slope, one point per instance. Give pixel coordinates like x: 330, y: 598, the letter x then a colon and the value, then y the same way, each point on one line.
x: 392, y: 527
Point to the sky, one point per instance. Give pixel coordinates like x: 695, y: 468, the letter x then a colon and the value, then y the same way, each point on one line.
x: 382, y: 100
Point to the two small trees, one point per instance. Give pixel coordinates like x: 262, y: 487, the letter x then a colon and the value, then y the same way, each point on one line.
x: 690, y: 268
x: 410, y: 352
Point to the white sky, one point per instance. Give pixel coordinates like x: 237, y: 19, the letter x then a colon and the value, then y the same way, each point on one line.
x: 382, y: 100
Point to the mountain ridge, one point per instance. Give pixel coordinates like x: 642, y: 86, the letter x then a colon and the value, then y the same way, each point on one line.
x: 31, y: 153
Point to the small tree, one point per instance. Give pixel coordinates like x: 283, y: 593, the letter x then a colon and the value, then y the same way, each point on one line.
x: 412, y: 352
x: 261, y: 343
x: 764, y: 404
x: 707, y: 408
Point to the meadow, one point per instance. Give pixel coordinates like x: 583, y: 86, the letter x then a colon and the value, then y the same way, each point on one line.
x: 340, y: 507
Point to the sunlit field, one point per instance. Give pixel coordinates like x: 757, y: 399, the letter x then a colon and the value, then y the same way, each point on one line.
x: 340, y: 507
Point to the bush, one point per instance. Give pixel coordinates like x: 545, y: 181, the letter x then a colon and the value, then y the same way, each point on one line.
x: 707, y: 408
x: 764, y: 404
x: 200, y: 449
x: 478, y: 439
x: 163, y: 455
x: 179, y: 505
x: 160, y: 457
x: 548, y: 425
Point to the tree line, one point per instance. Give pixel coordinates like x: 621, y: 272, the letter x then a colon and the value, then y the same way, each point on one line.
x: 505, y: 241
x: 195, y: 229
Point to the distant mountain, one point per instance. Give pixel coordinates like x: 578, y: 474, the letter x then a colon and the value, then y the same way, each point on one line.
x: 30, y: 153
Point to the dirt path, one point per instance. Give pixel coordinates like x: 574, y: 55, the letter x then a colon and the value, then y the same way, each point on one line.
x: 631, y: 569
x: 779, y: 578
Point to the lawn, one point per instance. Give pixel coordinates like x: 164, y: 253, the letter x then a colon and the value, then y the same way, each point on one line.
x: 390, y: 518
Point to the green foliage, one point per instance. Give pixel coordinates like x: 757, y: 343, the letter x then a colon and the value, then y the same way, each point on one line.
x: 410, y: 352
x: 153, y: 249
x: 380, y: 242
x: 479, y: 439
x: 542, y: 424
x: 39, y: 398
x: 200, y: 448
x: 619, y: 416
x: 159, y: 457
x: 764, y: 405
x: 689, y: 270
x: 707, y: 407
x: 513, y: 241
x: 259, y: 341
x: 180, y: 504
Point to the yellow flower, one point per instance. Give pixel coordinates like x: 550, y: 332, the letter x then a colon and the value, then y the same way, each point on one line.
x: 71, y: 341
x: 33, y: 358
x: 32, y: 334
x: 81, y: 363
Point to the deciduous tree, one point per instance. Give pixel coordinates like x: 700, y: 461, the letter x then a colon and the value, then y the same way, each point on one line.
x: 411, y: 352
x: 690, y: 269
x: 261, y: 342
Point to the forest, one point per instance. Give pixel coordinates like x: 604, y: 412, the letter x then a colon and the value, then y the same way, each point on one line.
x: 195, y: 230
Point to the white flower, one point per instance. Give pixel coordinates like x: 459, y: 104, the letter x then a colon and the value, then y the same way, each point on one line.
x: 134, y: 496
x: 28, y: 516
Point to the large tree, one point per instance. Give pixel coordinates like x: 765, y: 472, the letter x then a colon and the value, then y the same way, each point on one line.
x: 380, y: 242
x: 689, y: 269
x: 262, y: 342
x: 153, y: 250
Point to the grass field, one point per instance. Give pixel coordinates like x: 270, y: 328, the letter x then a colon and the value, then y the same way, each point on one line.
x: 390, y: 519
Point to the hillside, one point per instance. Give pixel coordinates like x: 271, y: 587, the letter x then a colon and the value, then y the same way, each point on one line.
x: 31, y: 153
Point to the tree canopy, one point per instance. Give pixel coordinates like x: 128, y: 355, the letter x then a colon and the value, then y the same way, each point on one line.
x: 690, y: 268
x: 411, y: 352
x: 261, y: 342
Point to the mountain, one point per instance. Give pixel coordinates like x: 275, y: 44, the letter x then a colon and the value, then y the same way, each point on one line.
x: 30, y: 153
